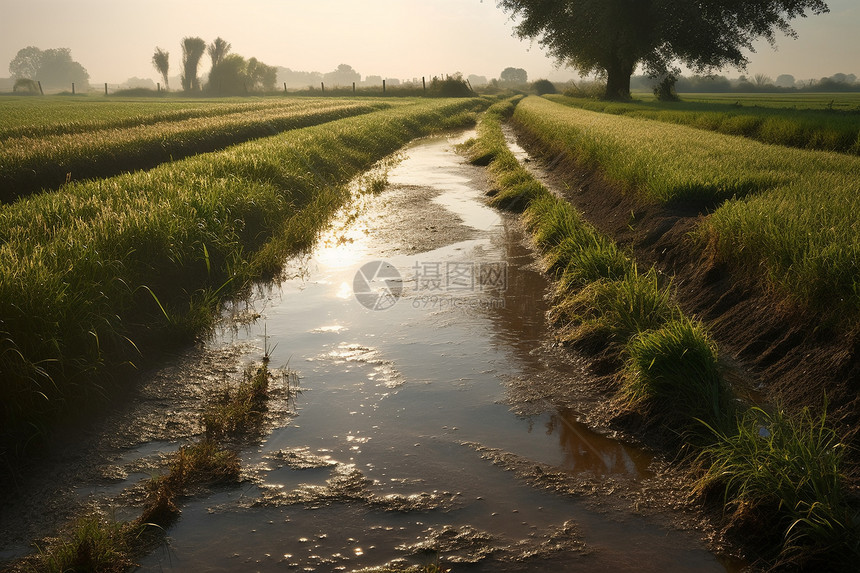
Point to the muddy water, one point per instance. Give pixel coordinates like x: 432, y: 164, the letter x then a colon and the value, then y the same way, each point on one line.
x: 426, y: 426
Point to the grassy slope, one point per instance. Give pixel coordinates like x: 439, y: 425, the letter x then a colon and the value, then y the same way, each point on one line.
x: 820, y: 129
x: 793, y: 213
x: 91, y: 270
x: 28, y: 164
x: 779, y: 476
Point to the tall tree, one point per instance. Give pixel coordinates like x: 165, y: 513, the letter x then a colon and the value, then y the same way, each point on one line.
x: 55, y: 68
x: 217, y: 50
x: 26, y: 63
x: 514, y: 76
x: 58, y: 69
x: 614, y: 37
x: 161, y: 61
x: 192, y: 51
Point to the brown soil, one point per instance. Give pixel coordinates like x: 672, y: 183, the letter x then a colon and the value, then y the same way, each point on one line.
x: 781, y: 352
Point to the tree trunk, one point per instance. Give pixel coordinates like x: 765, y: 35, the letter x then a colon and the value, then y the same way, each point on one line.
x: 618, y: 81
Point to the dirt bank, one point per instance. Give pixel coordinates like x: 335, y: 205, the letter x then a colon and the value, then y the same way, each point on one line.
x: 783, y: 352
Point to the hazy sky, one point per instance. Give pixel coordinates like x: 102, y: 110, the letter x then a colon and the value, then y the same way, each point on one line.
x: 115, y: 39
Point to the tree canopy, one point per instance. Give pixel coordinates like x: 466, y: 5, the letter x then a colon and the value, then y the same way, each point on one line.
x: 161, y: 61
x: 55, y: 68
x: 193, y: 49
x: 614, y: 37
x: 514, y: 76
x: 233, y: 75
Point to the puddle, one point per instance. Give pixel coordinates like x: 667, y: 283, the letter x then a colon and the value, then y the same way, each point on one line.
x: 426, y: 430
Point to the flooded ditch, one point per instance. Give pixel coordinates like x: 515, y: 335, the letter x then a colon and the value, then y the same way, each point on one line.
x: 435, y: 415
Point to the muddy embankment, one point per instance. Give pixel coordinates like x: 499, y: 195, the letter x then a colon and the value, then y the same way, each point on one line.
x: 779, y: 351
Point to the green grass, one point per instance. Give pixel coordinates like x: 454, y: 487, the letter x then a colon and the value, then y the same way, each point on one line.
x: 100, y: 271
x: 788, y: 479
x: 821, y: 129
x: 674, y: 374
x: 235, y: 409
x: 789, y: 217
x: 28, y: 164
x: 44, y: 116
x: 786, y: 470
x: 839, y: 101
x: 93, y: 543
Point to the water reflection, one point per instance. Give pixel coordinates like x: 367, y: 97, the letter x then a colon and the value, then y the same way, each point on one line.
x: 393, y: 395
x: 588, y: 451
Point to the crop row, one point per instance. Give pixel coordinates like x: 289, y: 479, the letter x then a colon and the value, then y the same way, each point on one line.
x: 804, y: 128
x: 784, y: 471
x: 38, y: 117
x: 30, y: 164
x: 101, y: 270
x: 791, y: 212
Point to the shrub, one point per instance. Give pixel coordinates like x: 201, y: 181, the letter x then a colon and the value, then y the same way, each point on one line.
x: 788, y: 469
x: 673, y: 373
x: 543, y: 87
x: 25, y: 86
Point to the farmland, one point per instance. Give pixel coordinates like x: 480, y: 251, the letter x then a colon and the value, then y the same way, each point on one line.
x: 100, y: 270
x: 189, y: 204
x: 786, y: 468
x: 109, y: 146
x: 791, y: 212
x: 824, y: 122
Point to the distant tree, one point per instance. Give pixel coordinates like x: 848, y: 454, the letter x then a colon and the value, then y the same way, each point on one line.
x: 477, y: 80
x: 138, y: 83
x: 161, y: 61
x: 260, y: 76
x: 26, y: 86
x: 295, y: 79
x: 217, y: 50
x: 55, y: 68
x: 843, y: 78
x: 344, y: 75
x: 26, y: 63
x: 192, y: 51
x: 229, y: 76
x: 450, y: 86
x: 514, y: 76
x: 234, y: 75
x: 785, y: 81
x: 543, y: 87
x: 665, y: 88
x: 58, y: 69
x: 614, y: 37
x: 762, y: 80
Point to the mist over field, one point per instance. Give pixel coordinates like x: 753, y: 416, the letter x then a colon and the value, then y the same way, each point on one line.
x: 401, y: 39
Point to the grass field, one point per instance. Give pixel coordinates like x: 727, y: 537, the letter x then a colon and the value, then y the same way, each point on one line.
x: 29, y: 164
x: 779, y: 475
x: 808, y: 123
x: 96, y: 273
x: 787, y: 216
x: 53, y: 115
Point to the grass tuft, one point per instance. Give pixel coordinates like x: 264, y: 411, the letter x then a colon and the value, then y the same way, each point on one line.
x: 616, y: 309
x: 787, y: 470
x: 93, y: 543
x: 673, y: 373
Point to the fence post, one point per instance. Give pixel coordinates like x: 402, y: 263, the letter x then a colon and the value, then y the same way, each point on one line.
x: 106, y: 88
x: 73, y: 88
x: 383, y: 86
x: 322, y: 85
x: 424, y: 83
x: 158, y: 87
x: 353, y: 88
x: 285, y: 88
x: 40, y: 87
